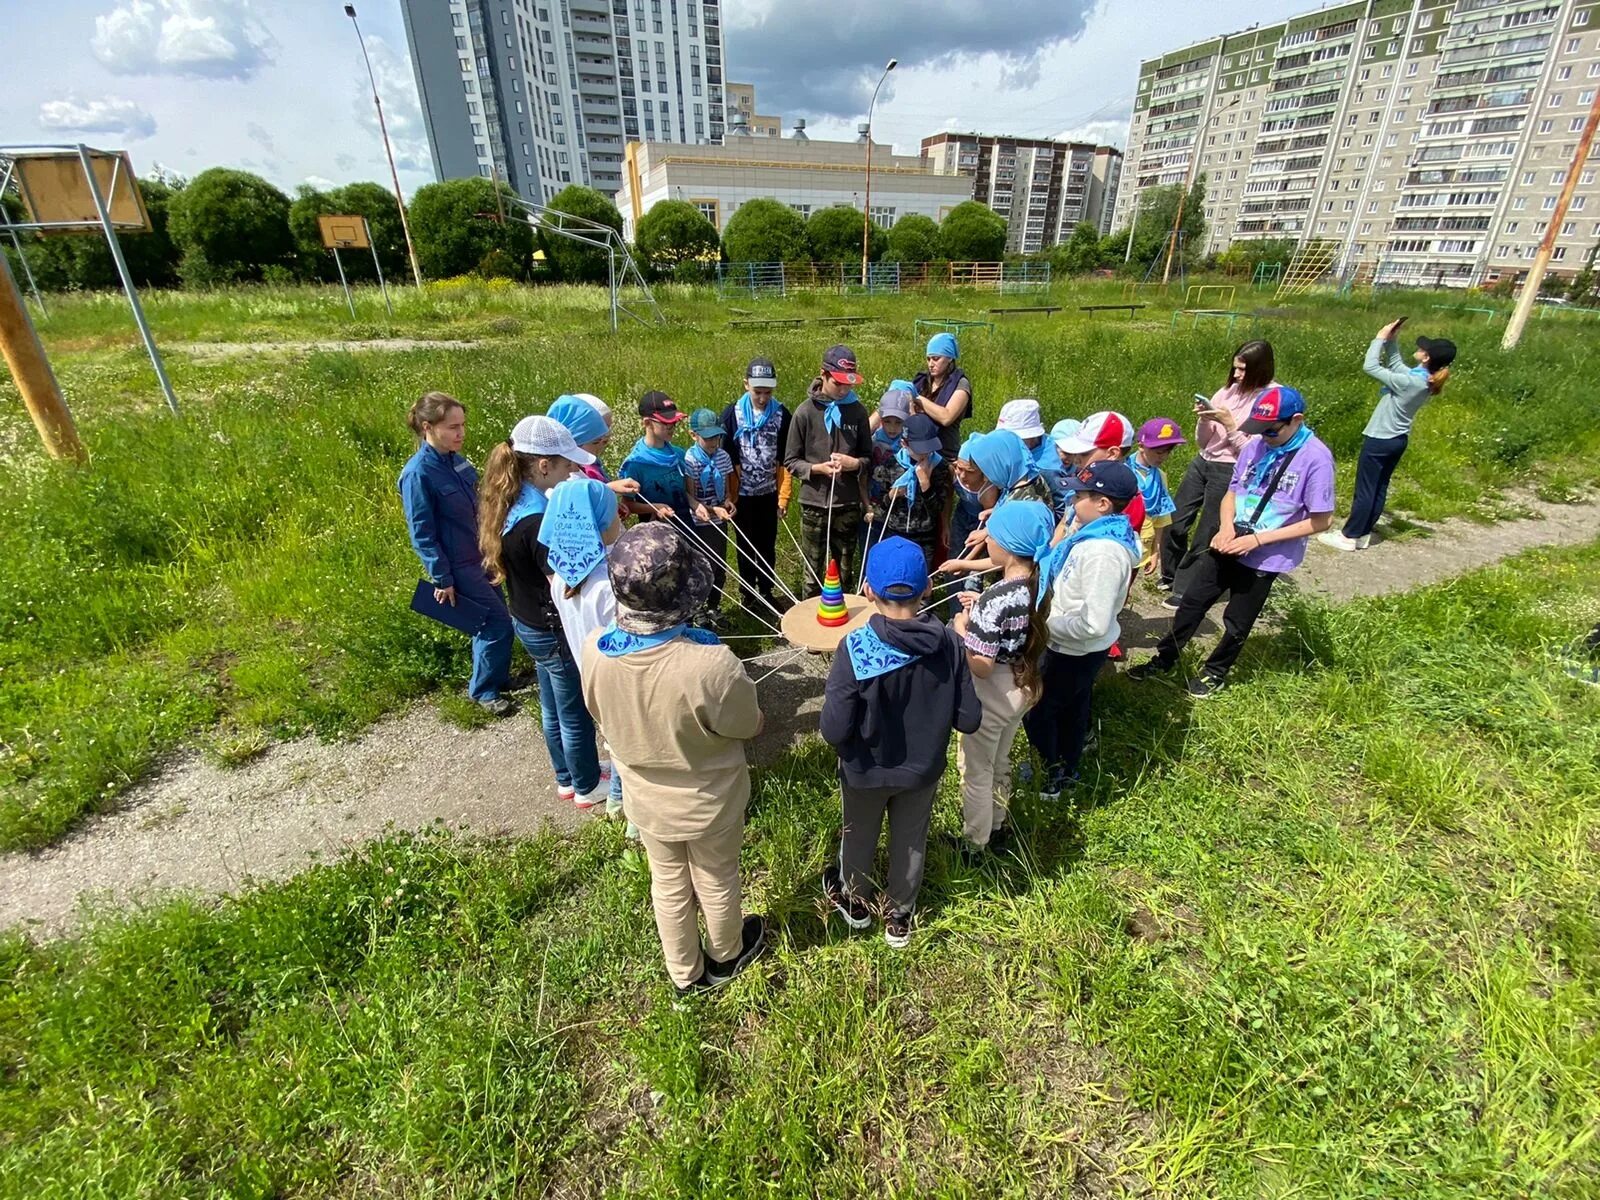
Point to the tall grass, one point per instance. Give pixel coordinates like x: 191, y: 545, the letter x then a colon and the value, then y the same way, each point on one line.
x: 1334, y: 933
x: 241, y: 573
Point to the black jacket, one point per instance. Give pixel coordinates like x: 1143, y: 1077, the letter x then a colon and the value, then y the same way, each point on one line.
x: 894, y: 730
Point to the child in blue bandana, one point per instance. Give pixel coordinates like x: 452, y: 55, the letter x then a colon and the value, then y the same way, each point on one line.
x: 910, y: 487
x: 898, y: 687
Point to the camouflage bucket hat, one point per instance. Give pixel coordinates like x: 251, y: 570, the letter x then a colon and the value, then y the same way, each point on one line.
x: 659, y: 576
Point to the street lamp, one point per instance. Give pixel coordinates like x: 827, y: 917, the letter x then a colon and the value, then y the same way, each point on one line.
x: 405, y: 226
x: 866, y: 213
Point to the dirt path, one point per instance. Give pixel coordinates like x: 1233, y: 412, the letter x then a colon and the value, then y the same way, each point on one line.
x: 201, y: 827
x: 235, y: 349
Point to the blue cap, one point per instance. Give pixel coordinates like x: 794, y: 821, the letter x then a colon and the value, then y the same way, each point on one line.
x: 897, y: 569
x: 1274, y: 406
x: 922, y: 434
x: 1107, y: 478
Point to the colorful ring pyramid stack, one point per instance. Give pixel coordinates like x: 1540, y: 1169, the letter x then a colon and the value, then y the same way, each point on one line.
x: 831, y: 609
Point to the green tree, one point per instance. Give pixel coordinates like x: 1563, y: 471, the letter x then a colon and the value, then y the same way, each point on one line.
x: 573, y: 261
x: 914, y: 238
x: 455, y: 225
x: 1079, y: 253
x: 1242, y: 257
x: 83, y: 261
x: 230, y: 225
x: 834, y: 235
x: 1581, y: 290
x: 674, y: 232
x: 972, y: 232
x: 765, y: 231
x: 370, y: 200
x: 1158, y: 209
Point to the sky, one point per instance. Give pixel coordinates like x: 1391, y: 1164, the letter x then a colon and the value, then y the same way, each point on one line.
x: 279, y: 87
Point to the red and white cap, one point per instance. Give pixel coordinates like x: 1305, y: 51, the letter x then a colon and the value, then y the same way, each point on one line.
x: 1100, y: 431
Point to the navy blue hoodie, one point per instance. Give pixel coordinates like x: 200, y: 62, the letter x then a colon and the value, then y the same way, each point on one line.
x: 894, y: 730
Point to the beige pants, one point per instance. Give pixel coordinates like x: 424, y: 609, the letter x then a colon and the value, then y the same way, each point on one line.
x: 696, y: 877
x: 985, y: 757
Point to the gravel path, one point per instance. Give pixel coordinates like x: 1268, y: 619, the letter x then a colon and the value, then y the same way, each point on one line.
x: 201, y: 827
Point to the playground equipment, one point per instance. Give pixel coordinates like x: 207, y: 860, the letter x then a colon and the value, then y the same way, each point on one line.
x: 1310, y: 263
x: 621, y: 270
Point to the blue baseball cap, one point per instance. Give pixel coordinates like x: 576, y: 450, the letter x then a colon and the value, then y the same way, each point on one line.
x: 897, y: 569
x: 1274, y: 406
x: 1107, y: 478
x: 922, y: 434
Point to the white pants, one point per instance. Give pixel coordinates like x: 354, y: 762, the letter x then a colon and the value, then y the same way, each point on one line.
x: 984, y: 757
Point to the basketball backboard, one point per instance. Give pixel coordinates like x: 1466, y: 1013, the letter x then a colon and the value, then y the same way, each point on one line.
x: 344, y: 233
x: 56, y: 191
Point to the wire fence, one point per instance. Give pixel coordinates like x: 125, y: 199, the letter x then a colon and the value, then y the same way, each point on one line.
x: 757, y: 280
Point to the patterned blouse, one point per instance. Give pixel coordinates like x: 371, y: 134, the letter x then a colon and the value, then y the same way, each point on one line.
x: 997, y: 625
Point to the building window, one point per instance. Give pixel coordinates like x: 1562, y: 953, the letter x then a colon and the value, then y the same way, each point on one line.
x: 468, y: 86
x: 1573, y: 44
x: 1554, y: 101
x: 882, y: 216
x: 1580, y: 18
x: 710, y: 210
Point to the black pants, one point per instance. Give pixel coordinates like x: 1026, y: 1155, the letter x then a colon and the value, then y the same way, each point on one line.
x: 1058, y: 726
x: 756, y: 519
x: 1375, y: 467
x: 909, y: 810
x: 1247, y: 594
x: 1196, y: 521
x: 713, y: 539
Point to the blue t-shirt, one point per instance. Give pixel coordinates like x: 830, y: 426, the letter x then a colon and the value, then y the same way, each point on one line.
x: 659, y: 483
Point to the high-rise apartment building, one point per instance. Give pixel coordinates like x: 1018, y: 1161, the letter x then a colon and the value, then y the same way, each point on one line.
x: 1427, y: 140
x: 543, y: 93
x: 742, y: 101
x: 1043, y: 188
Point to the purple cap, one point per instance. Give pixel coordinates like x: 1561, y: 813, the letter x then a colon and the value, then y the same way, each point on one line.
x: 1160, y: 431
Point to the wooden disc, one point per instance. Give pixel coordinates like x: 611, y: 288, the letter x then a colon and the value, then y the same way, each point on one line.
x: 801, y: 630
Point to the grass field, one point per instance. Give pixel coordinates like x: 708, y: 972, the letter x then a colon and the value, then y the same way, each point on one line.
x: 1332, y: 934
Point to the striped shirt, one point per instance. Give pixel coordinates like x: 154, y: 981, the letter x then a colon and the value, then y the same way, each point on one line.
x: 698, y: 492
x: 997, y: 625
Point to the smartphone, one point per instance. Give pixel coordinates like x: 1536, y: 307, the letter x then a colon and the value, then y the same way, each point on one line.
x: 1202, y: 401
x: 1399, y: 321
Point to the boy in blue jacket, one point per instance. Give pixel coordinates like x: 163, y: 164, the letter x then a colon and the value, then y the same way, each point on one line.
x: 898, y: 687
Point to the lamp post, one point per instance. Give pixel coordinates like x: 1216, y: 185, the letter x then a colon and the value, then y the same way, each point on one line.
x: 383, y: 129
x: 866, y: 209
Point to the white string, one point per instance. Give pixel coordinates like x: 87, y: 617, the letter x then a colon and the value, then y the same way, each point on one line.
x: 782, y: 665
x: 767, y: 572
x: 724, y: 590
x: 827, y: 536
x: 810, y: 570
x: 882, y: 530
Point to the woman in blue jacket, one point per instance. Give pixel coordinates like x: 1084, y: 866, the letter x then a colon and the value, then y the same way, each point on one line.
x: 439, y: 491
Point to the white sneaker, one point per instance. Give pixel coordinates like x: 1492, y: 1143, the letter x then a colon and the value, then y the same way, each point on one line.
x: 587, y: 800
x: 1363, y: 541
x: 566, y: 792
x: 1338, y: 541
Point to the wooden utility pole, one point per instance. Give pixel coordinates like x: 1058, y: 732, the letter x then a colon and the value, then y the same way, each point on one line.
x: 1530, y: 286
x: 19, y: 343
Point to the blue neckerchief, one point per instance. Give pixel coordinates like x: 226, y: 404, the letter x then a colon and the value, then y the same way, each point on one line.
x: 705, y: 467
x: 664, y: 456
x: 1158, y: 501
x: 871, y: 656
x: 614, y: 642
x: 580, y: 511
x: 1046, y: 459
x: 908, y: 477
x: 528, y: 502
x: 1261, y: 469
x: 747, y: 421
x: 831, y: 420
x: 880, y: 437
x: 1116, y: 528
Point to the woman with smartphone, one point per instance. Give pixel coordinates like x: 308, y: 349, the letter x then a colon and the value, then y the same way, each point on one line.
x: 1218, y: 439
x: 1404, y: 390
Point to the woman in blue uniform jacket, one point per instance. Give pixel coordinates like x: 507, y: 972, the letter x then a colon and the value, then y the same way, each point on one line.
x: 439, y: 490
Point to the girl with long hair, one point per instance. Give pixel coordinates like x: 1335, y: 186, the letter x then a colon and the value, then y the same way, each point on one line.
x: 1003, y: 631
x: 439, y: 493
x: 1218, y: 438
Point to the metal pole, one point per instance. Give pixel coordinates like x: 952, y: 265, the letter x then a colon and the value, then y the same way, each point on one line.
x: 1530, y: 287
x: 866, y: 207
x: 28, y: 271
x: 19, y: 345
x: 127, y: 279
x: 343, y: 282
x: 1133, y: 224
x: 383, y: 129
x: 611, y: 283
x: 377, y: 266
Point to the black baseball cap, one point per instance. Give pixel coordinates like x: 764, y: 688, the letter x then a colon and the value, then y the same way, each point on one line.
x: 761, y: 374
x: 1441, y: 352
x: 1107, y: 478
x: 658, y: 406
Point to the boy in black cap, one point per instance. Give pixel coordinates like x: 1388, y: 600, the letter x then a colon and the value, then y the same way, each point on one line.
x: 756, y: 428
x: 898, y: 686
x: 829, y: 444
x: 655, y: 463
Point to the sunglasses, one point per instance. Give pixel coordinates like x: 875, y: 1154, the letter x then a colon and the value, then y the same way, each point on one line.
x: 1275, y: 430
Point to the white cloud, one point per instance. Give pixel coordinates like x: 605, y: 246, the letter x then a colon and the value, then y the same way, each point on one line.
x: 402, y: 111
x: 1101, y: 133
x: 108, y: 114
x: 321, y: 182
x: 204, y: 39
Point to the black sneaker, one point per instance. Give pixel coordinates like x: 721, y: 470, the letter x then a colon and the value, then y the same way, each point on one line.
x: 1203, y: 686
x: 694, y: 988
x: 753, y: 942
x: 1174, y: 602
x: 1058, y: 782
x: 1148, y: 669
x: 498, y: 707
x: 856, y: 914
x: 897, y: 929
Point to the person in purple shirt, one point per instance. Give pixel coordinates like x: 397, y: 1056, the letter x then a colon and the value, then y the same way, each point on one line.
x: 1281, y: 494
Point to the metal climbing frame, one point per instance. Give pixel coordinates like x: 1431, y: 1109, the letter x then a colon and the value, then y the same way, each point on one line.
x: 621, y: 270
x: 1306, y: 269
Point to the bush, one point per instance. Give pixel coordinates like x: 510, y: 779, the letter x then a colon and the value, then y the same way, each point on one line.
x: 370, y: 200
x: 675, y: 233
x: 765, y: 231
x: 229, y: 226
x: 572, y: 261
x: 972, y: 232
x: 455, y: 224
x: 913, y: 239
x: 834, y: 235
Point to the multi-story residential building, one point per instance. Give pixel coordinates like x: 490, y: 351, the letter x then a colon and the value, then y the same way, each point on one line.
x: 543, y: 93
x: 741, y: 99
x: 1423, y: 138
x: 804, y: 174
x: 1043, y: 188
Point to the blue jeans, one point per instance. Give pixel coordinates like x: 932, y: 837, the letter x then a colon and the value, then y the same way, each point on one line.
x: 568, y: 728
x: 491, y: 648
x: 1379, y: 458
